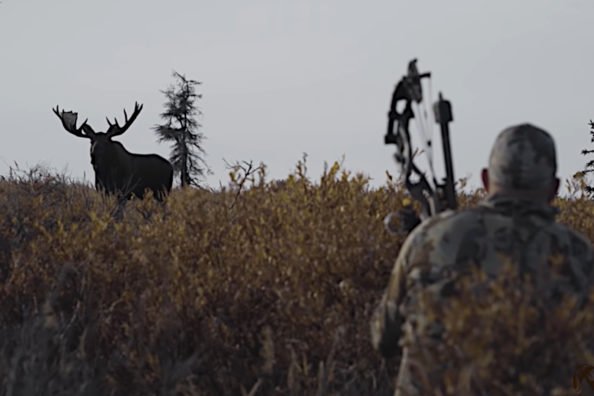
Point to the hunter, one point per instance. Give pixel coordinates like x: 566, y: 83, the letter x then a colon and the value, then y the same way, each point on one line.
x: 515, y: 220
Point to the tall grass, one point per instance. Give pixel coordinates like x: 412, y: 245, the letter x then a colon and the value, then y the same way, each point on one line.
x: 259, y: 288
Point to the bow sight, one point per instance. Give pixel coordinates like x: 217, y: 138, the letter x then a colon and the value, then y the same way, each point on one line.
x: 433, y: 196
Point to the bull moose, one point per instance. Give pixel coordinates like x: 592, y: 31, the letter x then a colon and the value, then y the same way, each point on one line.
x: 117, y: 171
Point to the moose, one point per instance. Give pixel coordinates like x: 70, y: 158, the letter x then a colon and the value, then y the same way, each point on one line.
x: 117, y: 171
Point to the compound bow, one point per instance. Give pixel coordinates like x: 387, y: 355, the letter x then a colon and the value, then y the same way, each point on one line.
x: 433, y: 196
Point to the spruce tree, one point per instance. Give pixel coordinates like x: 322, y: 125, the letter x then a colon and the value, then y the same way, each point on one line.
x: 182, y: 129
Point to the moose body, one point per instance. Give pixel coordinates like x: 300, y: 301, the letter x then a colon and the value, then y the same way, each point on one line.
x: 117, y: 171
x: 120, y: 172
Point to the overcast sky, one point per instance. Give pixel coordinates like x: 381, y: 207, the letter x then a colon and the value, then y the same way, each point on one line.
x: 282, y: 77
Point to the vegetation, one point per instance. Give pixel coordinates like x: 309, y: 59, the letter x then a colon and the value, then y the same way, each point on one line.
x: 511, y: 340
x: 267, y: 291
x: 181, y: 128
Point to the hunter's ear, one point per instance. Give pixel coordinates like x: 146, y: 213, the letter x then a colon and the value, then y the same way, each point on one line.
x: 485, y: 179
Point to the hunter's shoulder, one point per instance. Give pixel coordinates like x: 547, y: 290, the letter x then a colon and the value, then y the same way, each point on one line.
x: 484, y: 222
x: 448, y: 221
x: 431, y: 232
x: 578, y: 243
x: 453, y: 227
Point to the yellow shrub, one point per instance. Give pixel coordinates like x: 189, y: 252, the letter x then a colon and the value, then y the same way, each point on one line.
x: 266, y: 289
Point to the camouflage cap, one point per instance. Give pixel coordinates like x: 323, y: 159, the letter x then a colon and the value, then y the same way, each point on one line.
x: 523, y: 157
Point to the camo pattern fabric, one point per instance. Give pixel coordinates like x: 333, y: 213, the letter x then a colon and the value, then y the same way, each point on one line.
x: 523, y: 157
x: 445, y: 244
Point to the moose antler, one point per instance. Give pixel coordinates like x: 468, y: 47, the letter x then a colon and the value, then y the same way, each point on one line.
x: 115, y: 129
x: 68, y: 119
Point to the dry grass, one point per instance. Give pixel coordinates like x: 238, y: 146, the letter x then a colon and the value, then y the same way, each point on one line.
x: 267, y: 291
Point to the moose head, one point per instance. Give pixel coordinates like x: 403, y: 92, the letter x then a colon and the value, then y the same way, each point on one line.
x: 118, y: 171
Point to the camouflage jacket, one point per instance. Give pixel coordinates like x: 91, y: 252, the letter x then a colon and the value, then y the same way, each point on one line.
x: 498, y: 227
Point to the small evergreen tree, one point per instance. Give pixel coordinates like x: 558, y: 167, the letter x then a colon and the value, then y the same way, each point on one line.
x: 182, y: 129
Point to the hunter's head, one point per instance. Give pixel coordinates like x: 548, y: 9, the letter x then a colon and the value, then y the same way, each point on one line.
x: 523, y: 164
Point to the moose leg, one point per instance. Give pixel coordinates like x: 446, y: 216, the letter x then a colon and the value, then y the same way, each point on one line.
x: 118, y: 212
x: 159, y: 194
